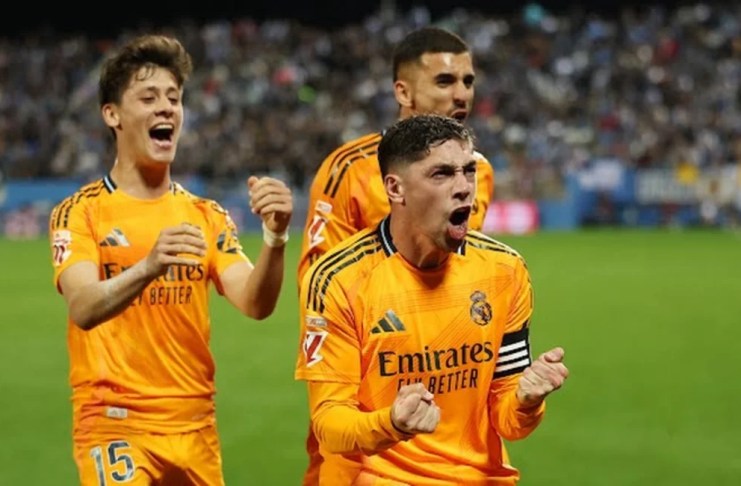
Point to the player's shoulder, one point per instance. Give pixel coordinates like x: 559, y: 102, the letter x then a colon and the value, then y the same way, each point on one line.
x: 350, y: 258
x: 362, y: 147
x: 216, y: 214
x: 485, y: 244
x: 86, y: 195
x: 346, y: 163
x: 203, y: 203
x: 481, y: 158
x: 359, y: 143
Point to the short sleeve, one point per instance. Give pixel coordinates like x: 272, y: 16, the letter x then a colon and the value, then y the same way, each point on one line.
x: 71, y: 237
x: 228, y: 249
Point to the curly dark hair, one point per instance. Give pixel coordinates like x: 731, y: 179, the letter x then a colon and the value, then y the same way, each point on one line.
x: 410, y: 140
x: 145, y: 51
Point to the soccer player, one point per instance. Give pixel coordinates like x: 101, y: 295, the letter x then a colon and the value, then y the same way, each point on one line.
x: 432, y: 73
x: 135, y: 255
x: 415, y: 343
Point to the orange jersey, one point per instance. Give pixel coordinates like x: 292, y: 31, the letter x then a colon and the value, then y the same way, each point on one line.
x: 372, y: 323
x: 149, y: 368
x: 347, y: 195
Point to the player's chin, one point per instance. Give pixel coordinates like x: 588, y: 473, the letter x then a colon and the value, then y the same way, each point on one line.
x: 160, y: 156
x: 452, y: 242
x: 162, y: 151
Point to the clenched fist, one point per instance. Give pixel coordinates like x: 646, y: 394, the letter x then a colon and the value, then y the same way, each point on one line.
x: 176, y: 246
x: 414, y: 410
x: 545, y: 375
x: 271, y: 199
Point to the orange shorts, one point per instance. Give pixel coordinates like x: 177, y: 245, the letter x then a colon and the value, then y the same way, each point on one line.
x: 190, y: 458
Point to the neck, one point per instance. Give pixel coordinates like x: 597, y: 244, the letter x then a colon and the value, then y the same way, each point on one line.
x: 406, y: 112
x: 416, y: 247
x: 144, y: 182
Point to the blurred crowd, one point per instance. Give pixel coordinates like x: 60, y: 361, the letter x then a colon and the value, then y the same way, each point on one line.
x: 650, y: 87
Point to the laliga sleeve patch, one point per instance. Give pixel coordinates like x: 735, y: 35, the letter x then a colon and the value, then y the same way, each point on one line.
x: 313, y: 341
x: 316, y: 230
x: 61, y: 243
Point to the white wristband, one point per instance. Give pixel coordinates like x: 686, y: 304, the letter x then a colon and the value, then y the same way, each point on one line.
x: 273, y: 239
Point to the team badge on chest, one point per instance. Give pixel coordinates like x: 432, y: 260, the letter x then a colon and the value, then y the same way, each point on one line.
x: 481, y: 312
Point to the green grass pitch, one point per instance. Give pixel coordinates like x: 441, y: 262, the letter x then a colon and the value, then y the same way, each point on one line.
x: 650, y: 321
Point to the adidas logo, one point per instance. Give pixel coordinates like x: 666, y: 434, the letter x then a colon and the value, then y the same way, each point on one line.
x: 115, y: 238
x: 390, y: 322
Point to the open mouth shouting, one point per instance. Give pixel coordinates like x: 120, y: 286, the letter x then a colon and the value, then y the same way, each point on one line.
x: 458, y: 223
x: 163, y: 135
x: 459, y: 115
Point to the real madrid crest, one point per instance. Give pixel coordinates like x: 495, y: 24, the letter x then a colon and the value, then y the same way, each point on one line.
x: 480, y: 308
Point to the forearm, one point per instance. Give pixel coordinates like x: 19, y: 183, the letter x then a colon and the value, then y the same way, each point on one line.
x: 100, y: 301
x: 510, y: 418
x: 264, y: 283
x: 343, y: 429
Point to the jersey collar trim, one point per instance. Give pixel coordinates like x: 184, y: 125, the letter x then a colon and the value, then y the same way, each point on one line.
x: 109, y: 184
x: 384, y: 234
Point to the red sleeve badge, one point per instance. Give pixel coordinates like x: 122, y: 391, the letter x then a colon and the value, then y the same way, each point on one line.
x: 61, y: 242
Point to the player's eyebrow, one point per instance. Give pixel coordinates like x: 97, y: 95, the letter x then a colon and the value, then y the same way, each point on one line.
x: 445, y: 78
x: 451, y: 78
x: 451, y: 167
x: 154, y: 90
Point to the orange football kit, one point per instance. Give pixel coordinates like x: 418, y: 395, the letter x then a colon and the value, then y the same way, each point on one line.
x: 148, y: 371
x: 372, y: 323
x: 347, y: 195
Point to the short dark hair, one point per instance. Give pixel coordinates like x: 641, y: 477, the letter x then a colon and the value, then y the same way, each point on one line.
x: 410, y: 139
x: 144, y: 51
x: 423, y: 41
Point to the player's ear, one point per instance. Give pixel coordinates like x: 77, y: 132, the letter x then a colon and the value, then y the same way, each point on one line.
x: 394, y: 188
x: 110, y: 115
x: 403, y: 93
